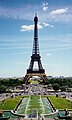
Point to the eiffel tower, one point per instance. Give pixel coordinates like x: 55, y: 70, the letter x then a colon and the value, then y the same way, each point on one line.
x: 35, y: 57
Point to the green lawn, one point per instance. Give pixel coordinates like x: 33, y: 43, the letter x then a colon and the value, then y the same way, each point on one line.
x: 33, y: 82
x: 9, y: 103
x: 60, y: 103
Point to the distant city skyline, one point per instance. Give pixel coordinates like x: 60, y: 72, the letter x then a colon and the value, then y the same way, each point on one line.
x: 54, y: 36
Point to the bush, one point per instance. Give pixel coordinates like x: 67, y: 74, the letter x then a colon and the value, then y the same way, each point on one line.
x: 56, y: 86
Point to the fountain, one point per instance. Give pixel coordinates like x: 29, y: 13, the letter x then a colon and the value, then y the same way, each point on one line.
x: 42, y: 105
x: 22, y: 107
x: 33, y: 106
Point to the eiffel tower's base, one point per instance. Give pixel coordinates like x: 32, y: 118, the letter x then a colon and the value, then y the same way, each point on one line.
x: 28, y: 76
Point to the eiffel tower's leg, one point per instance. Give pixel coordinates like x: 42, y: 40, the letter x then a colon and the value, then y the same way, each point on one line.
x: 40, y: 64
x: 31, y: 64
x: 26, y: 78
x: 44, y: 77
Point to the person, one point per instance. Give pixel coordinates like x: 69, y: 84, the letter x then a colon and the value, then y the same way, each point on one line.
x: 66, y: 112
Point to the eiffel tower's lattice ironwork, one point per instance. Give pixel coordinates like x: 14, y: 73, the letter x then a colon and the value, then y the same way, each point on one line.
x: 35, y: 57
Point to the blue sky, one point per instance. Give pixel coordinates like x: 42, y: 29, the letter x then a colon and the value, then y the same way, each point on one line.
x: 54, y: 35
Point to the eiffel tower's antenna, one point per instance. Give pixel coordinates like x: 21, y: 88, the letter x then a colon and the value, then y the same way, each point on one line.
x: 35, y: 43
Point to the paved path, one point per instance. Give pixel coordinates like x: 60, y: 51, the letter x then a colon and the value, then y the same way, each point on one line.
x: 69, y: 98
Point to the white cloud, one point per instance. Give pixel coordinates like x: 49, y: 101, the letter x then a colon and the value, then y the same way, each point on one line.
x: 45, y: 6
x: 59, y: 11
x: 27, y: 13
x: 29, y: 27
x: 47, y: 24
x: 40, y: 26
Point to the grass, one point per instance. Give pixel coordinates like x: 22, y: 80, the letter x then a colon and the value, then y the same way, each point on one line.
x: 60, y: 103
x: 33, y: 81
x: 9, y: 103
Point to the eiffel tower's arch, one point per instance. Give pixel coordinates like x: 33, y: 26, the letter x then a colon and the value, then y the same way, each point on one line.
x: 28, y: 76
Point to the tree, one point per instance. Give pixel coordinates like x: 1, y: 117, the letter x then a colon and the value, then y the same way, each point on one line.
x: 56, y: 86
x: 2, y: 89
x: 63, y: 89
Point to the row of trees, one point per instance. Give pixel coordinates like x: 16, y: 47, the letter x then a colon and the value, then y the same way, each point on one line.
x: 60, y: 83
x: 11, y: 82
x: 57, y: 83
x: 6, y: 83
